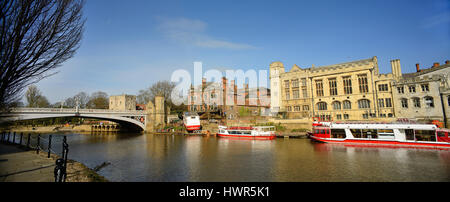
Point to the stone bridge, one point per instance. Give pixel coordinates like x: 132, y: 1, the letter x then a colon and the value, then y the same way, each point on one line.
x: 133, y: 119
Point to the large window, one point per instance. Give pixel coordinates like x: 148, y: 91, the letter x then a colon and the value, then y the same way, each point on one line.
x: 305, y: 107
x: 295, y: 83
x: 429, y: 102
x: 404, y: 102
x: 319, y: 88
x: 286, y: 84
x: 304, y: 92
x: 383, y: 87
x: 363, y: 104
x: 288, y: 94
x: 297, y: 108
x: 388, y: 102
x: 347, y: 104
x: 347, y: 84
x: 363, y: 83
x: 336, y: 105
x: 416, y: 102
x: 425, y: 87
x: 304, y: 82
x: 381, y: 103
x: 338, y: 133
x: 425, y: 135
x: 412, y: 89
x: 400, y: 90
x: 333, y: 86
x: 295, y: 94
x: 322, y: 106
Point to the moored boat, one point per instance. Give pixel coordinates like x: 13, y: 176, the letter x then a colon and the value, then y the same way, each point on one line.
x: 251, y: 132
x: 191, y: 121
x: 383, y: 134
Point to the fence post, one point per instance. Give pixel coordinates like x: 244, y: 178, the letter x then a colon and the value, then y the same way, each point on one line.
x: 49, y: 145
x: 28, y: 140
x: 38, y: 143
x: 21, y: 136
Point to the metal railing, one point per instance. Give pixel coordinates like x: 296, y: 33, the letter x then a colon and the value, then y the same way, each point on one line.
x: 61, y: 163
x: 72, y: 110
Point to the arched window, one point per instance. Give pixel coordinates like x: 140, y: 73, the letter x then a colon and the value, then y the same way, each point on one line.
x: 322, y: 106
x: 363, y: 104
x: 429, y: 102
x: 347, y: 104
x: 336, y: 105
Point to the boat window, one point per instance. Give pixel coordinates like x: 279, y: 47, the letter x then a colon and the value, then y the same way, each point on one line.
x: 369, y: 133
x: 425, y: 135
x: 409, y: 134
x: 356, y: 133
x: 386, y: 132
x: 338, y: 133
x: 322, y: 131
x: 441, y: 134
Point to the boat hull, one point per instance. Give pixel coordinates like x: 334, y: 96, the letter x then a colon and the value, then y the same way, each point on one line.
x: 192, y: 127
x: 250, y: 137
x: 384, y: 143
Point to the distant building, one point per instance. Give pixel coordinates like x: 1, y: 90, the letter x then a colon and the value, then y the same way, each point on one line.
x: 226, y: 99
x: 122, y: 102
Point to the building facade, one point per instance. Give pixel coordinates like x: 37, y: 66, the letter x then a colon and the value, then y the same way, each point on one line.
x: 348, y: 91
x: 424, y: 95
x: 122, y: 102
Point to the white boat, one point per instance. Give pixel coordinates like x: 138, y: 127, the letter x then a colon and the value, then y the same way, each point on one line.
x: 250, y: 132
x: 382, y: 134
x: 191, y: 121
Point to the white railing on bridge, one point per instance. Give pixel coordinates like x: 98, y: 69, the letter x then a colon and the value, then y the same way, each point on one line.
x: 72, y: 110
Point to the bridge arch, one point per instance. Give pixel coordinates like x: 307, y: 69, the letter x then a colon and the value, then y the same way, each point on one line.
x: 123, y: 121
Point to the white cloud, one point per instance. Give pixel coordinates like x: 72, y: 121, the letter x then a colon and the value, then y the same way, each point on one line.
x: 193, y: 32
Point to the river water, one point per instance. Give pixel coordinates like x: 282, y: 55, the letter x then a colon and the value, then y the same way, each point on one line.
x: 150, y: 157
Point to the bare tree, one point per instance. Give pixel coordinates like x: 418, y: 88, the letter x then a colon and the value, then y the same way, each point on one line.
x: 161, y: 88
x: 35, y: 98
x: 36, y: 36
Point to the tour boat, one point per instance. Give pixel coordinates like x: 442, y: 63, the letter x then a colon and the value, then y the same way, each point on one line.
x: 191, y: 121
x: 382, y: 134
x: 251, y: 132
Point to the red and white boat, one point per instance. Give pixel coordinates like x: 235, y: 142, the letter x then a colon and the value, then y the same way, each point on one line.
x: 255, y: 132
x: 191, y: 121
x: 382, y: 134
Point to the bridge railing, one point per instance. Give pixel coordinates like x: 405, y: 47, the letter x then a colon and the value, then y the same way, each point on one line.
x: 71, y: 110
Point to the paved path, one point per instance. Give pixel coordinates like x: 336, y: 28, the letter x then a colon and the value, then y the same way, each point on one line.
x: 18, y: 165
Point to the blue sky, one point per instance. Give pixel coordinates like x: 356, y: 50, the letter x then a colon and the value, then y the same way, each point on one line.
x: 129, y: 45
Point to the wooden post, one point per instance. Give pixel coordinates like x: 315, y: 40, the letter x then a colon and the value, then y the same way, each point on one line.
x: 49, y: 145
x: 38, y: 143
x: 28, y: 140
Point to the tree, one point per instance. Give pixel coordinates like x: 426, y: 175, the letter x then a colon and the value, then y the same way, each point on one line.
x: 35, y: 98
x: 161, y: 88
x: 82, y: 98
x: 99, y: 100
x: 36, y: 36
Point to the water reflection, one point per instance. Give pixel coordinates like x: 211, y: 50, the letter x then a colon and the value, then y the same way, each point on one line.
x: 148, y: 157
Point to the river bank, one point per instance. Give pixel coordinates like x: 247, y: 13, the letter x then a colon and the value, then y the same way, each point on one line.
x: 49, y: 129
x: 18, y: 164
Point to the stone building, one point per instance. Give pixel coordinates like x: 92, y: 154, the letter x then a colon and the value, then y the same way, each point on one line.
x: 347, y: 91
x: 157, y: 114
x: 424, y: 95
x: 122, y: 102
x: 215, y: 97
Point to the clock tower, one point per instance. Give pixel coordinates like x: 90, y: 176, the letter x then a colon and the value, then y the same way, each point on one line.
x: 276, y: 68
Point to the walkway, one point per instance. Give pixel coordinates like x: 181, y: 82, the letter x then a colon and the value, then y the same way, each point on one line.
x: 18, y: 165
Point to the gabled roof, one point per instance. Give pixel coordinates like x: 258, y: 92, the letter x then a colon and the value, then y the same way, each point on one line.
x: 295, y: 68
x: 425, y: 71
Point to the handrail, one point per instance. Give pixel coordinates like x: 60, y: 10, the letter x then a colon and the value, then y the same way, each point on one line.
x: 25, y: 109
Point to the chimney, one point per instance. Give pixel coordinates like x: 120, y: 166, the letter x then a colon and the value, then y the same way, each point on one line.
x: 447, y: 62
x: 436, y: 64
x: 417, y: 67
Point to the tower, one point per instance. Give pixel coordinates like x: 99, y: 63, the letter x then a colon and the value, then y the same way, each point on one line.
x: 276, y: 68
